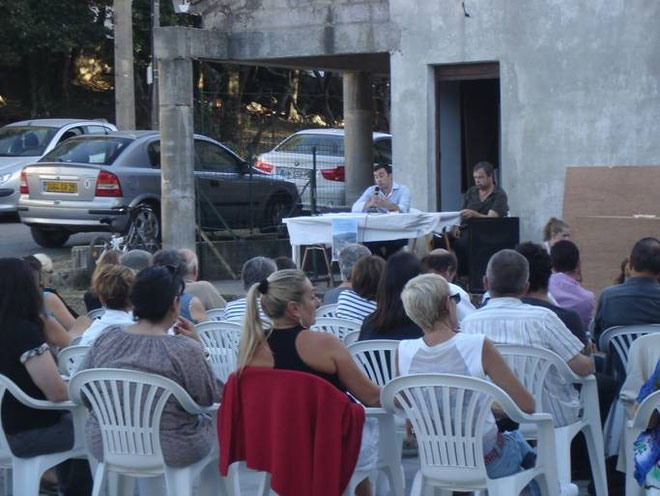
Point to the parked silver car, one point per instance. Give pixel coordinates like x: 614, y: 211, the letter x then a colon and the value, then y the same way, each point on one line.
x: 25, y: 142
x: 85, y: 179
x: 292, y: 159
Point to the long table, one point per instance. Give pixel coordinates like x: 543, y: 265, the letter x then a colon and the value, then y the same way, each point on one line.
x: 371, y: 227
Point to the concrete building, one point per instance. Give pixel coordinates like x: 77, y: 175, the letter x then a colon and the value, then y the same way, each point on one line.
x: 533, y: 86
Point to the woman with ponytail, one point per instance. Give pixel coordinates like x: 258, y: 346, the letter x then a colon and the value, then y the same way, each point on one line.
x: 287, y: 298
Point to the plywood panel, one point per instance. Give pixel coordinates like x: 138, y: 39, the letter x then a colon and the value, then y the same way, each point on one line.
x: 611, y: 191
x: 605, y: 241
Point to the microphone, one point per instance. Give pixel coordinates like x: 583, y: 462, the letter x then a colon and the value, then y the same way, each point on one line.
x: 377, y: 189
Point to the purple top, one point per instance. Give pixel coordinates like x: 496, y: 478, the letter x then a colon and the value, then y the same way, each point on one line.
x: 569, y: 294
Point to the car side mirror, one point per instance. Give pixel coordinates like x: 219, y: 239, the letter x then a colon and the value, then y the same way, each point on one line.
x: 244, y: 167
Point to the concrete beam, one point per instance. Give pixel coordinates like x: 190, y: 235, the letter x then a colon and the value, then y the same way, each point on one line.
x: 174, y: 42
x: 358, y: 141
x: 177, y: 153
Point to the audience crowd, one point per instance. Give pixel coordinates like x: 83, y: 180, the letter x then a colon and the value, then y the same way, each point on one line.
x: 150, y: 305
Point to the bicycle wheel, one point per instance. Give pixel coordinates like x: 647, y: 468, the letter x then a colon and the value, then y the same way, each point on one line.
x: 97, y: 247
x: 144, y: 230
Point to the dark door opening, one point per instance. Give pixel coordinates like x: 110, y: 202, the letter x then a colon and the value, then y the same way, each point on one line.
x: 468, y: 127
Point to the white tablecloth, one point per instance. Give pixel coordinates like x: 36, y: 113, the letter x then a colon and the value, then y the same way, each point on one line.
x: 371, y: 227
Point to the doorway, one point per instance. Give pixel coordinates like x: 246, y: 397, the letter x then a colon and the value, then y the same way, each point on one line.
x: 468, y: 127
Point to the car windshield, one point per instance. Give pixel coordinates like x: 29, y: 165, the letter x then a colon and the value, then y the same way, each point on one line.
x: 332, y: 146
x: 25, y: 141
x: 89, y: 150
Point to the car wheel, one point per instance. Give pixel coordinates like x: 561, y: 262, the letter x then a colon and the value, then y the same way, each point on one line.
x: 277, y: 209
x: 49, y: 238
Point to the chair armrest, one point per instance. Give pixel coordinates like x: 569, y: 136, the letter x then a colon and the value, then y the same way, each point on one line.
x: 645, y: 410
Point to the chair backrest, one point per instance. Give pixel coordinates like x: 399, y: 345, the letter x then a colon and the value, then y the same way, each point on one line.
x: 5, y: 452
x: 70, y: 358
x: 376, y: 358
x: 447, y: 413
x: 326, y: 310
x: 616, y: 342
x: 646, y: 408
x: 221, y: 338
x: 128, y: 406
x: 351, y: 337
x: 531, y: 367
x: 97, y: 313
x: 338, y: 327
x: 216, y: 313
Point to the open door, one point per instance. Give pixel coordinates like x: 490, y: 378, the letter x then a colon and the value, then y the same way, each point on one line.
x: 468, y: 127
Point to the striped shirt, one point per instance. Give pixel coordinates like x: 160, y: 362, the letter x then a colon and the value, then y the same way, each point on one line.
x: 351, y: 305
x: 510, y: 321
x: 235, y: 311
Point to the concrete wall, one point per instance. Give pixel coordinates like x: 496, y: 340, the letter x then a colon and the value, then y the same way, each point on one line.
x: 579, y: 86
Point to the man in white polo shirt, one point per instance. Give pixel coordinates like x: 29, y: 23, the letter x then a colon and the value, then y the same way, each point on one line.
x: 507, y: 320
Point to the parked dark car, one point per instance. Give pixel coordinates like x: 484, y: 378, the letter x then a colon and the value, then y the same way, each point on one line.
x: 81, y: 181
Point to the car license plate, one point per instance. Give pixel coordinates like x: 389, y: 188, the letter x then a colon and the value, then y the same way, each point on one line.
x: 292, y: 173
x: 60, y: 187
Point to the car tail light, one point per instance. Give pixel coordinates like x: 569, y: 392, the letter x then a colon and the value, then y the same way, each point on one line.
x: 263, y: 166
x: 24, y: 185
x: 336, y: 174
x: 107, y: 184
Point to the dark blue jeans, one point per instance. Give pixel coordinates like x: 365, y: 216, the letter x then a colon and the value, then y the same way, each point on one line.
x: 73, y: 476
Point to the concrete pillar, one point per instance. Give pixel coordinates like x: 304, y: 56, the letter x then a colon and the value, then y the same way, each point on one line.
x: 358, y: 126
x: 124, y: 79
x: 177, y: 152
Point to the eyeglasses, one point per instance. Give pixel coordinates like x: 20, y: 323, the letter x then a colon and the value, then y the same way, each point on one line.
x: 456, y: 298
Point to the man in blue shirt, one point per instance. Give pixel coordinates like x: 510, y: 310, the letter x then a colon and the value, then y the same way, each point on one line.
x: 637, y: 300
x: 383, y: 197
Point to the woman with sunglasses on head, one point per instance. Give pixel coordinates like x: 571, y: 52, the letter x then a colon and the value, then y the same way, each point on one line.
x: 427, y: 300
x: 287, y: 298
x: 146, y: 346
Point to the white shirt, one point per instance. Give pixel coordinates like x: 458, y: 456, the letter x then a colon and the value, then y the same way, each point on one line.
x: 109, y: 318
x: 235, y: 311
x: 510, y: 321
x: 460, y: 355
x: 399, y: 195
x: 352, y: 306
x: 465, y: 306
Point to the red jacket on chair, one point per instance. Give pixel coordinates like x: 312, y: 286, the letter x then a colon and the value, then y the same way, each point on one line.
x: 294, y: 425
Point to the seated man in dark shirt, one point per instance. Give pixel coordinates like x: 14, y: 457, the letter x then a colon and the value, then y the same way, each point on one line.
x: 484, y: 199
x: 637, y: 300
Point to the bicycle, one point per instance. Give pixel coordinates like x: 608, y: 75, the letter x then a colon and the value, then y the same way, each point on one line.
x: 139, y: 232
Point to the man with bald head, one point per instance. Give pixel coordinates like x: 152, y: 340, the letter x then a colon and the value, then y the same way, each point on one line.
x: 204, y: 290
x: 444, y: 263
x: 507, y: 320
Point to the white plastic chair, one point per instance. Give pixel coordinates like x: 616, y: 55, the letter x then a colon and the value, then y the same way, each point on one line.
x: 326, y: 310
x: 376, y: 358
x: 216, y: 313
x: 221, y: 338
x: 27, y: 472
x: 338, y: 327
x: 531, y: 366
x: 447, y: 413
x: 70, y: 358
x: 97, y: 313
x: 619, y: 339
x: 128, y: 405
x: 633, y: 429
x: 351, y: 337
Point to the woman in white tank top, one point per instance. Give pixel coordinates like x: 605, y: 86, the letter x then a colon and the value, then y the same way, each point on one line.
x: 428, y: 302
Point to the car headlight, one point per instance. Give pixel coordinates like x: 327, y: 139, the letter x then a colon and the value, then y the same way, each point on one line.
x: 4, y: 177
